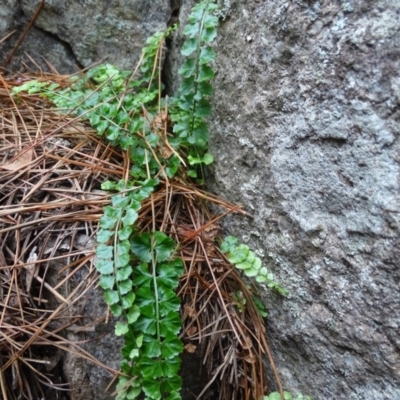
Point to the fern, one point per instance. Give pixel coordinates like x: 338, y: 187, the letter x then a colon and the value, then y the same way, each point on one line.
x: 192, y: 104
x: 245, y: 260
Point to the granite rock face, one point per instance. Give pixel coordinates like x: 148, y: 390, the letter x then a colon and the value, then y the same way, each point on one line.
x: 110, y: 30
x: 74, y: 34
x: 38, y: 45
x: 305, y: 134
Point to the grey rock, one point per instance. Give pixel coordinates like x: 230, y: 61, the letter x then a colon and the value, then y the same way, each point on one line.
x: 38, y: 46
x: 87, y: 380
x: 99, y: 30
x: 305, y: 134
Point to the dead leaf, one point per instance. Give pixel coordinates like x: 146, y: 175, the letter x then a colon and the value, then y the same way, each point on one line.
x: 23, y: 158
x: 191, y: 331
x: 30, y: 268
x: 210, y: 232
x: 190, y: 348
x: 189, y: 311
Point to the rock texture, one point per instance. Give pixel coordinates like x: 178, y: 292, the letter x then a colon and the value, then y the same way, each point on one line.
x: 75, y: 34
x: 38, y: 45
x: 305, y: 133
x: 113, y: 31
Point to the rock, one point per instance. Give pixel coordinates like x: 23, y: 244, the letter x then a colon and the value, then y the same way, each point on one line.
x: 305, y: 134
x: 37, y: 45
x: 112, y: 31
x: 86, y: 380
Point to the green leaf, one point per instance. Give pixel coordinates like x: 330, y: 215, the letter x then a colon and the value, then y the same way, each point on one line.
x: 113, y: 132
x: 142, y: 276
x: 172, y: 367
x: 282, y: 291
x: 244, y: 265
x: 208, y: 159
x: 104, y: 251
x: 141, y: 247
x: 261, y: 279
x: 94, y: 119
x: 146, y: 325
x: 173, y: 165
x: 229, y: 244
x: 116, y: 309
x: 208, y: 35
x: 189, y: 47
x: 187, y: 85
x: 199, y: 135
x: 169, y: 301
x: 107, y: 281
x: 105, y: 267
x: 174, y: 383
x: 133, y: 393
x: 239, y: 254
x: 187, y: 68
x: 203, y: 108
x: 192, y: 30
x: 148, y: 310
x: 171, y: 347
x: 139, y: 341
x: 207, y: 55
x: 112, y: 212
x: 134, y: 353
x: 103, y: 235
x: 151, y: 349
x: 125, y: 286
x: 164, y: 246
x: 152, y: 389
x: 128, y: 300
x: 124, y: 273
x: 102, y: 126
x: 170, y: 324
x: 108, y: 185
x: 121, y: 260
x: 125, y: 232
x: 196, y: 13
x: 121, y: 328
x: 133, y: 314
x: 277, y: 396
x: 111, y: 297
x: 205, y: 89
x: 120, y: 201
x: 169, y: 273
x: 107, y: 222
x: 135, y: 204
x: 150, y: 368
x: 210, y: 20
x: 249, y: 272
x: 122, y: 117
x: 175, y: 395
x: 206, y: 73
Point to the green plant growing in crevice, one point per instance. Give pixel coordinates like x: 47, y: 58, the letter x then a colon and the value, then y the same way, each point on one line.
x: 287, y: 396
x: 245, y: 260
x: 191, y: 105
